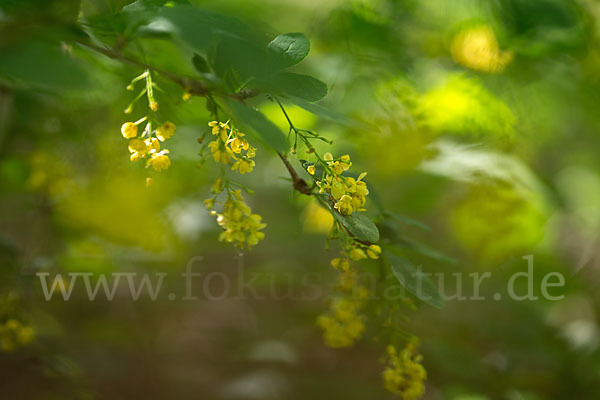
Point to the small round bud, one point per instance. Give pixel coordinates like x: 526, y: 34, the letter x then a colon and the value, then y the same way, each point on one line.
x: 129, y: 130
x: 374, y: 251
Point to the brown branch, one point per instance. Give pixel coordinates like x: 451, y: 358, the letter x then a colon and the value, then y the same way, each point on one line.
x: 191, y: 85
x: 298, y: 183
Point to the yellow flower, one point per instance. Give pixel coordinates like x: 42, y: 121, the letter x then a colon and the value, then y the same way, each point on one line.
x: 159, y: 161
x: 153, y: 106
x: 345, y: 159
x: 129, y: 130
x: 340, y: 263
x: 344, y: 205
x: 374, y: 251
x: 243, y: 165
x: 347, y: 281
x: 349, y: 194
x: 358, y: 201
x: 311, y: 169
x: 404, y: 375
x: 186, y: 96
x: 357, y: 254
x: 343, y: 325
x: 241, y: 227
x: 12, y: 324
x: 165, y: 131
x: 13, y: 334
x: 337, y: 189
x: 25, y: 335
x: 338, y: 166
x: 237, y: 145
x: 138, y: 149
x: 254, y: 238
x: 153, y: 145
x: 220, y: 152
x: 219, y: 129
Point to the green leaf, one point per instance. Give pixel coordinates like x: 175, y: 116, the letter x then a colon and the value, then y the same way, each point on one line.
x: 427, y: 251
x: 289, y: 49
x: 414, y: 280
x: 264, y: 129
x: 200, y: 64
x: 302, y: 86
x: 359, y: 225
x: 241, y: 59
x: 198, y: 28
x: 323, y: 112
x: 407, y: 221
x: 44, y: 65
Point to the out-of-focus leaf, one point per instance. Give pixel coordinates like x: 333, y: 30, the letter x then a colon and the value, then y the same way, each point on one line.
x: 302, y: 86
x: 242, y: 59
x: 325, y: 113
x: 360, y: 226
x: 200, y: 64
x: 199, y: 28
x: 289, y: 49
x: 408, y: 221
x: 140, y: 12
x: 43, y: 64
x: 264, y: 129
x: 427, y: 251
x: 418, y: 284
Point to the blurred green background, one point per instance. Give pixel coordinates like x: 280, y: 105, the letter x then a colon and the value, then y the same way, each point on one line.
x: 481, y: 121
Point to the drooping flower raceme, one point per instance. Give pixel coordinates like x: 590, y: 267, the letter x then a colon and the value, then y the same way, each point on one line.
x: 230, y: 145
x: 344, y: 324
x: 241, y: 227
x: 404, y: 374
x: 147, y: 144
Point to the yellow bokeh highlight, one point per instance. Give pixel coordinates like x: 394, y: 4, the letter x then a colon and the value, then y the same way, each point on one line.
x: 477, y: 48
x: 316, y: 219
x: 463, y: 106
x: 495, y: 221
x: 120, y: 209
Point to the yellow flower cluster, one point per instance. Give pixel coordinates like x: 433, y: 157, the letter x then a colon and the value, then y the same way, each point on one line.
x: 355, y: 251
x: 404, y: 375
x: 343, y: 325
x: 348, y: 194
x: 13, y: 334
x: 148, y: 145
x: 231, y: 145
x: 241, y: 227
